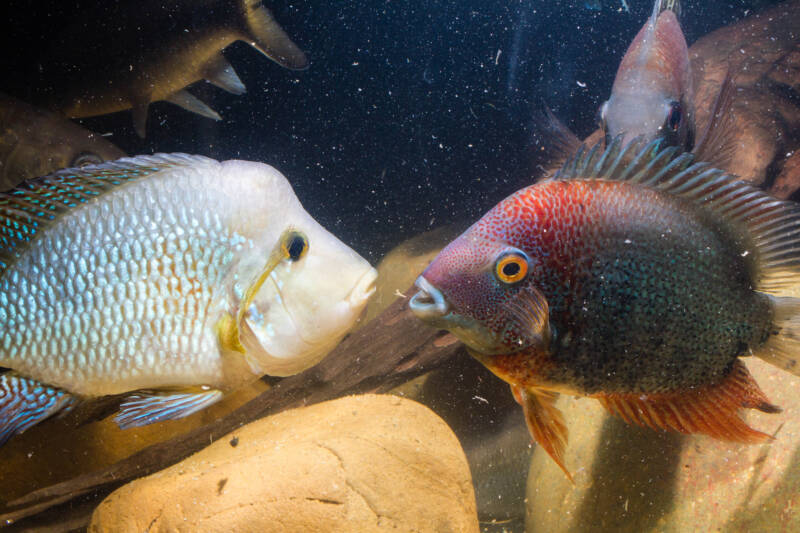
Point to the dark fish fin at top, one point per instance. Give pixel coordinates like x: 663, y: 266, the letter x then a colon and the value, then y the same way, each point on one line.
x: 191, y: 103
x: 554, y: 139
x: 769, y: 229
x: 717, y: 145
x: 36, y: 204
x: 262, y: 32
x: 545, y: 422
x: 711, y: 410
x: 218, y: 71
x: 25, y: 402
x: 666, y: 5
x: 149, y: 407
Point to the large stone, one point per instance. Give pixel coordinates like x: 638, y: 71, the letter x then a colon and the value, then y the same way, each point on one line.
x: 360, y: 463
x: 635, y: 479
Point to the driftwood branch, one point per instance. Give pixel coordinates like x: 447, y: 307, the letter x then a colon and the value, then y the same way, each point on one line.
x: 386, y: 352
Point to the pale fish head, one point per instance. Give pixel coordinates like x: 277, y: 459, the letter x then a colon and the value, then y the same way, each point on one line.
x: 311, y: 298
x: 652, y: 96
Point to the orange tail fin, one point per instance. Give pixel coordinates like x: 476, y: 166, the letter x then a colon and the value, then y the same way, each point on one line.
x: 711, y: 410
x: 545, y: 422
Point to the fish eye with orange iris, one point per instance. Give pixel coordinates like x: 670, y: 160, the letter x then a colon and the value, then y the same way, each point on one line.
x: 511, y: 267
x: 635, y: 277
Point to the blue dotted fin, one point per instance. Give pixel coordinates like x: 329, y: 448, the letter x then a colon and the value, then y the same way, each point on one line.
x: 149, y: 407
x: 38, y: 203
x: 25, y: 402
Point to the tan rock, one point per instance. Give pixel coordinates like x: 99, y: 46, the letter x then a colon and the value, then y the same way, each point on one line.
x: 635, y: 479
x: 361, y: 463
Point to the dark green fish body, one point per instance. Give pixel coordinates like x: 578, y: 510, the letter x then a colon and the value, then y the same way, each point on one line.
x: 633, y: 277
x: 656, y: 300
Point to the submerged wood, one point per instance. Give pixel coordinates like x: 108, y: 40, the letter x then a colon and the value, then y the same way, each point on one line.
x: 389, y: 350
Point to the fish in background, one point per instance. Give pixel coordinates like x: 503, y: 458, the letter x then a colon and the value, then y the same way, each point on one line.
x: 35, y: 142
x: 133, y: 54
x: 167, y: 279
x: 653, y: 97
x: 638, y: 284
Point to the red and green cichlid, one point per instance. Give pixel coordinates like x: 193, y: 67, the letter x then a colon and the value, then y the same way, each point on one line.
x: 639, y: 284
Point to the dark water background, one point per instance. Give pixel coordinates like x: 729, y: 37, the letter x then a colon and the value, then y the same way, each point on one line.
x: 412, y: 114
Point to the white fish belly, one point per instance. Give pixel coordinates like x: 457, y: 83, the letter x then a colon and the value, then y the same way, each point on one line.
x: 122, y: 294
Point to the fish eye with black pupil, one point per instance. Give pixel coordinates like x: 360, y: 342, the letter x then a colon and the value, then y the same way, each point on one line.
x: 296, y: 246
x: 85, y: 158
x: 674, y: 115
x: 511, y: 267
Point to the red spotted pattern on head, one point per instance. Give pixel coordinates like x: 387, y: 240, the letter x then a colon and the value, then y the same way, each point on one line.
x: 555, y: 223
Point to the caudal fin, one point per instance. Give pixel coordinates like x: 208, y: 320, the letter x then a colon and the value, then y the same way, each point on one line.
x: 262, y: 32
x: 782, y: 349
x: 25, y: 402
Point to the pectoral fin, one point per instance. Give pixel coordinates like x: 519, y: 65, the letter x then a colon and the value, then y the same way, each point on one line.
x: 139, y: 111
x: 545, y: 422
x: 25, y: 402
x: 148, y: 407
x: 553, y: 139
x: 718, y: 142
x: 712, y: 410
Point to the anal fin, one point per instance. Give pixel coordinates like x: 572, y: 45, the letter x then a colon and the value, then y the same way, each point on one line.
x: 711, y: 410
x: 545, y: 422
x: 193, y: 104
x: 25, y: 402
x: 219, y: 72
x: 148, y: 407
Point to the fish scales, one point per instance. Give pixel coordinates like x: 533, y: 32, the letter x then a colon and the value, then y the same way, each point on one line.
x: 617, y: 263
x: 171, y: 279
x: 156, y: 323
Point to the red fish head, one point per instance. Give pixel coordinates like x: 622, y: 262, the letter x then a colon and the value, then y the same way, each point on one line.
x: 652, y: 95
x: 482, y: 286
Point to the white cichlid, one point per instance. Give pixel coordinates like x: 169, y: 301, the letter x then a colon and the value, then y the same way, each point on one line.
x: 169, y: 272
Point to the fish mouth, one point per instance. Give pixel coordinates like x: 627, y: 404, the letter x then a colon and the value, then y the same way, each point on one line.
x: 363, y: 289
x: 430, y: 306
x: 429, y: 302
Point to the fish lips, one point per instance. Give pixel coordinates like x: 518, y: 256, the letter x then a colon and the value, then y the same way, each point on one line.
x: 431, y: 306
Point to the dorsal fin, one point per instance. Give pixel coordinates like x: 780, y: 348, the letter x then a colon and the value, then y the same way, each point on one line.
x: 770, y: 227
x: 37, y: 203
